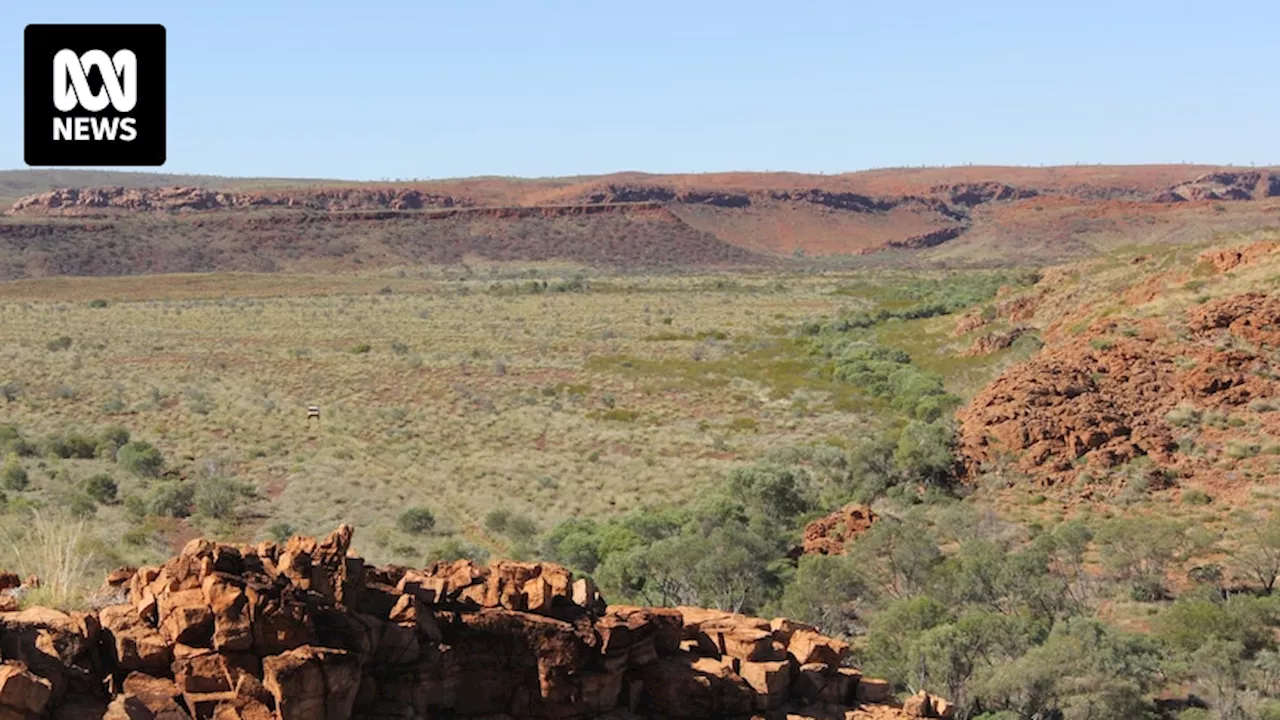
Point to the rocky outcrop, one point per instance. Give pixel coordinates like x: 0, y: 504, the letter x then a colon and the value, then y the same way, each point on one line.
x: 96, y: 201
x: 659, y: 194
x: 994, y: 342
x: 970, y: 195
x: 1104, y: 397
x: 1225, y: 185
x: 926, y: 240
x: 308, y: 630
x: 830, y: 535
x: 1229, y: 258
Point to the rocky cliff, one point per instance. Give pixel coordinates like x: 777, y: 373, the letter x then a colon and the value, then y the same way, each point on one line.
x: 308, y: 630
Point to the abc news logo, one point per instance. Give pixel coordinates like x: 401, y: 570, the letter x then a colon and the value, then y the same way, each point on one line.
x: 107, y: 105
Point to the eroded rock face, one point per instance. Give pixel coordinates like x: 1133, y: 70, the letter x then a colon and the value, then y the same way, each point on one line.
x: 93, y: 201
x: 307, y: 630
x: 1229, y: 258
x: 1104, y: 397
x: 830, y: 535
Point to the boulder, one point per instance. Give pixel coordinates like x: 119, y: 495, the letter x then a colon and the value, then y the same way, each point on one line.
x: 185, y: 617
x: 873, y: 690
x: 232, y: 630
x: 919, y: 705
x: 22, y: 692
x: 312, y: 683
x: 771, y: 681
x: 156, y: 694
x: 807, y: 646
x: 131, y: 643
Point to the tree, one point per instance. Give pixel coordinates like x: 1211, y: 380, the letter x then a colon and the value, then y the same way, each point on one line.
x: 924, y: 452
x: 575, y: 543
x: 1218, y: 669
x: 778, y: 493
x: 892, y: 647
x: 948, y: 655
x: 1085, y: 670
x: 1258, y: 556
x: 899, y: 556
x: 825, y: 591
x: 1139, y: 550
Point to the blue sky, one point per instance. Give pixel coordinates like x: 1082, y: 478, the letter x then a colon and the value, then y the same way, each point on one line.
x: 449, y: 89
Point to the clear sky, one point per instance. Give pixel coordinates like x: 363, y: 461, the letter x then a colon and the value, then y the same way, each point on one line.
x: 483, y: 87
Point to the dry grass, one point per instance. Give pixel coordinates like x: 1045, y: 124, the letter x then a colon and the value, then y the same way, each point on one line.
x: 641, y: 390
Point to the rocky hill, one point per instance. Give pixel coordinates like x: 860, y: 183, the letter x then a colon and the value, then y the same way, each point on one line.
x: 1166, y: 362
x: 308, y: 630
x: 953, y: 215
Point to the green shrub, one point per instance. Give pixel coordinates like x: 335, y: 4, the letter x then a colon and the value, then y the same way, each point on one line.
x: 140, y: 458
x: 1240, y: 450
x: 82, y: 506
x: 217, y: 497
x: 521, y: 528
x: 417, y: 521
x: 15, y: 477
x: 924, y: 452
x: 1196, y: 497
x: 59, y: 343
x: 102, y: 488
x: 99, y: 303
x: 12, y: 443
x: 496, y: 520
x: 281, y: 532
x: 454, y: 549
x: 361, y: 348
x: 71, y: 446
x: 172, y: 499
x: 115, y: 434
x: 135, y: 508
x: 1183, y: 416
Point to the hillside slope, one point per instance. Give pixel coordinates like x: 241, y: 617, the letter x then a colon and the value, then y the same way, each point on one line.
x: 1160, y: 364
x: 956, y: 216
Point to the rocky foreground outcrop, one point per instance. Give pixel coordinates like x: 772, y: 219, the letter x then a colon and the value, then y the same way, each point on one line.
x: 307, y: 630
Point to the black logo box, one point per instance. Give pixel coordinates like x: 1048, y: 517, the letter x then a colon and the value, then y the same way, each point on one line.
x: 41, y: 43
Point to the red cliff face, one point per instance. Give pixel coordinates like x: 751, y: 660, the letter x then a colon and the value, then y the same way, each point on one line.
x: 307, y: 630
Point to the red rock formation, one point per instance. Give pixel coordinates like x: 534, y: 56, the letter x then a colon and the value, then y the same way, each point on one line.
x: 994, y: 342
x: 307, y: 630
x: 1103, y: 398
x: 830, y: 535
x: 95, y: 201
x: 1229, y: 258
